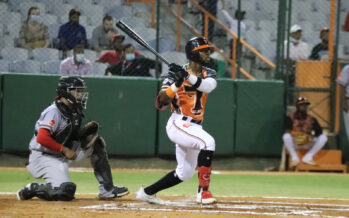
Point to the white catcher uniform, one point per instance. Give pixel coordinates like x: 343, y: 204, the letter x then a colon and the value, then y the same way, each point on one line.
x: 46, y: 163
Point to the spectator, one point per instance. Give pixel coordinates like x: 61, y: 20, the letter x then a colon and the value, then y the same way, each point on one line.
x: 239, y: 16
x: 303, y: 132
x: 77, y: 64
x: 211, y: 7
x: 343, y: 81
x: 72, y: 33
x: 132, y: 65
x: 34, y: 33
x: 102, y: 35
x: 298, y: 50
x: 346, y: 23
x: 320, y: 51
x: 114, y: 57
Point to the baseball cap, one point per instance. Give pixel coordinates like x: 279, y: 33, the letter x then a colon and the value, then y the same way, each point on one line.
x: 324, y: 29
x: 117, y: 35
x: 295, y: 28
x: 74, y: 11
x: 302, y: 100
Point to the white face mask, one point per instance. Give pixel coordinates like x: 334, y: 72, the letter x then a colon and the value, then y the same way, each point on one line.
x: 130, y: 57
x: 79, y: 57
x: 294, y: 40
x: 34, y: 18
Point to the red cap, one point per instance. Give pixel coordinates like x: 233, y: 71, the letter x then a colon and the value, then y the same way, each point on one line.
x: 117, y: 35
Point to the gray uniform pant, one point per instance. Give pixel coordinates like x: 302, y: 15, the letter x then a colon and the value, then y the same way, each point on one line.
x: 54, y: 169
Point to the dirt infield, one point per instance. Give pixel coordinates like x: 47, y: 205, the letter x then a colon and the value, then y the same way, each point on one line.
x: 89, y: 206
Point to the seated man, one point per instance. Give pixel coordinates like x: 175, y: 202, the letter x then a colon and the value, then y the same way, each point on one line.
x: 59, y: 139
x: 132, y: 65
x: 102, y: 35
x: 77, y: 64
x: 303, y: 132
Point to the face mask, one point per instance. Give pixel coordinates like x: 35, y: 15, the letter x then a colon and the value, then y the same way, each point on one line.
x: 130, y: 57
x: 79, y: 58
x: 294, y: 40
x: 34, y: 18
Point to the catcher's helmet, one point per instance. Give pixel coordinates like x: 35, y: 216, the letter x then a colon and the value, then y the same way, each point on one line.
x: 193, y: 46
x: 68, y: 84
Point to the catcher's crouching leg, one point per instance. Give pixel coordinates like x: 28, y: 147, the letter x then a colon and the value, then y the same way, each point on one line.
x: 102, y: 171
x: 65, y: 192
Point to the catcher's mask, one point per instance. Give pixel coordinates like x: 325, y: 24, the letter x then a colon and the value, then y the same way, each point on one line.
x: 302, y: 100
x: 74, y: 89
x: 193, y: 46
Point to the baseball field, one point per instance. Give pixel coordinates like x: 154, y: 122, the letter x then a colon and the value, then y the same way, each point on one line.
x: 239, y: 194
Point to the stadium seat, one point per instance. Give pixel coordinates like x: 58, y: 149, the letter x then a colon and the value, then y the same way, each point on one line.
x: 45, y: 54
x: 120, y: 11
x: 109, y: 3
x: 89, y: 31
x: 90, y: 55
x: 173, y: 57
x: 79, y: 3
x: 12, y: 54
x: 53, y: 29
x: 13, y: 29
x: 146, y: 33
x: 3, y: 8
x: 49, y: 19
x: 14, y: 17
x: 27, y: 66
x: 99, y: 68
x: 5, y: 66
x: 50, y: 4
x: 7, y: 41
x: 61, y: 9
x: 51, y: 67
x: 25, y: 5
x: 165, y: 45
x: 136, y: 22
x: 1, y: 29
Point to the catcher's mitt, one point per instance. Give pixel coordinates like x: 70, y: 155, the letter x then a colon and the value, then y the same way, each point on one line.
x: 89, y: 134
x: 302, y: 138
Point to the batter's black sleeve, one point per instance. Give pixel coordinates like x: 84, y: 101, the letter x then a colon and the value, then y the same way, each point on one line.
x: 316, y: 127
x: 288, y: 123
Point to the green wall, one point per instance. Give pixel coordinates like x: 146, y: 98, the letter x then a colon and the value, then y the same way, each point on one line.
x: 244, y: 117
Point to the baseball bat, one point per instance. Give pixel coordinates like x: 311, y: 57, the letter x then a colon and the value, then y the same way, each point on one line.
x: 131, y: 33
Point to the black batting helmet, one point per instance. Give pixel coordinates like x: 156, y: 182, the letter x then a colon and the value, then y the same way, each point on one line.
x: 302, y: 100
x: 67, y: 84
x: 193, y: 46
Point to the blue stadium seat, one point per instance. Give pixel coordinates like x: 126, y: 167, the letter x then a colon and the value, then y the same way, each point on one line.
x: 13, y: 54
x: 51, y: 67
x: 5, y: 66
x: 45, y: 54
x: 27, y: 66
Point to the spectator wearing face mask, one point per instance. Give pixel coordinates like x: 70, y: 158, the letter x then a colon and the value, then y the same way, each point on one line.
x: 115, y: 56
x: 34, y: 33
x: 77, y: 64
x: 132, y: 65
x: 72, y: 33
x: 320, y: 51
x: 102, y: 35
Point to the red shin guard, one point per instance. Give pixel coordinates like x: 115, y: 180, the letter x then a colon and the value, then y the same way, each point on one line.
x: 204, y: 176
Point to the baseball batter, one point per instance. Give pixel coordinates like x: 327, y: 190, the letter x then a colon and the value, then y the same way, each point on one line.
x: 59, y: 139
x: 186, y: 89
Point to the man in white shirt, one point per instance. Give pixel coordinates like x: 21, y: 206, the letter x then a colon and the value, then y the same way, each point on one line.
x: 299, y: 50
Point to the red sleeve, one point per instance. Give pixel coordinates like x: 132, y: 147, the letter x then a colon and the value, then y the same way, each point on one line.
x: 346, y: 25
x: 45, y: 139
x: 137, y: 53
x: 104, y: 57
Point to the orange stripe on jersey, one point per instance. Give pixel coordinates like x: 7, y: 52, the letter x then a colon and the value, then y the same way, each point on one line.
x: 190, y: 101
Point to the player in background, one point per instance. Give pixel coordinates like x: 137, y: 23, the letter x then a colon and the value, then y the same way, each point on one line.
x: 186, y: 89
x: 59, y: 139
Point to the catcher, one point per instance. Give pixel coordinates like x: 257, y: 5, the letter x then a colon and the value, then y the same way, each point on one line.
x: 303, y: 132
x: 59, y: 139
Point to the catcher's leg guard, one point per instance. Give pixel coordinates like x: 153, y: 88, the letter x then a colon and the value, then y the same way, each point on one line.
x: 65, y: 192
x: 100, y: 164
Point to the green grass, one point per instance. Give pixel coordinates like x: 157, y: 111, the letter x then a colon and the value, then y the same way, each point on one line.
x: 314, y: 185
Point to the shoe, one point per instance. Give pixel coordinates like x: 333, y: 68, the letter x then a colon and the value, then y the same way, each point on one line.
x: 151, y: 199
x: 28, y: 191
x: 310, y: 162
x: 293, y: 164
x: 205, y: 197
x: 116, y: 192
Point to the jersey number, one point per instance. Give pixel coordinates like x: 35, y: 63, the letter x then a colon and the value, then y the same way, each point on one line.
x: 197, y: 109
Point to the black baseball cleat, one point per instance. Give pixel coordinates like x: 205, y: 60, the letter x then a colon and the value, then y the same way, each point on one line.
x: 28, y: 191
x: 117, y: 192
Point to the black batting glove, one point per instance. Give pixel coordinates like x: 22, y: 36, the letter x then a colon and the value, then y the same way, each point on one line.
x: 178, y: 79
x: 177, y: 69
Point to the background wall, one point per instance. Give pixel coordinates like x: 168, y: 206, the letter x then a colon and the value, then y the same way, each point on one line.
x: 245, y: 117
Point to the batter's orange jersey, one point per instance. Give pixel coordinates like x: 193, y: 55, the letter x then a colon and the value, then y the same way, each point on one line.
x: 188, y: 100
